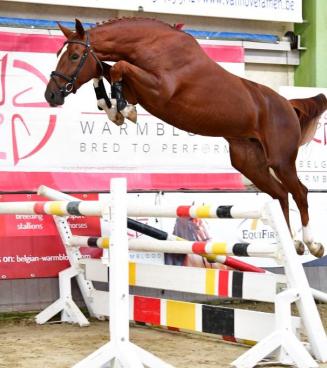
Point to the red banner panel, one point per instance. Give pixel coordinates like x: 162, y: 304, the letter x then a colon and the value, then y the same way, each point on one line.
x: 29, y: 257
x: 30, y: 245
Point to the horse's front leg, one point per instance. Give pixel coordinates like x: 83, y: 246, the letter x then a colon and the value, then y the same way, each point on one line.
x: 118, y: 100
x: 135, y: 78
x: 104, y: 103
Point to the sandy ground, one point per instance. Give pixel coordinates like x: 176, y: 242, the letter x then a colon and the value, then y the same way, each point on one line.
x: 24, y: 344
x: 60, y: 346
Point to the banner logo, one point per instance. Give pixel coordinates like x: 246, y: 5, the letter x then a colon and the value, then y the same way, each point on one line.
x: 15, y: 110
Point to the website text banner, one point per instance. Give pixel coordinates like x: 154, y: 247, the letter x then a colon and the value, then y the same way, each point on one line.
x: 312, y: 157
x: 275, y: 10
x: 75, y: 147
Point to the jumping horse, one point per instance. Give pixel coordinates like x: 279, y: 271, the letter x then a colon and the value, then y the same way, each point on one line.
x: 165, y: 70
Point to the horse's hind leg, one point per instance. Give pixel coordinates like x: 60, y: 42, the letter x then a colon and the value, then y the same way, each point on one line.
x: 315, y: 248
x: 282, y: 158
x: 249, y: 158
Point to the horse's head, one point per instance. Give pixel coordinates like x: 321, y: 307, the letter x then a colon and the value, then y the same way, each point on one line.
x: 77, y: 65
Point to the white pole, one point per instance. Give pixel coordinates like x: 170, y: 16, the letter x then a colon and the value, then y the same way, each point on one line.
x: 119, y: 271
x: 54, y: 195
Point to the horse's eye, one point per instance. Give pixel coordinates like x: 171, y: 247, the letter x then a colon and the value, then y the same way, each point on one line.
x: 74, y: 57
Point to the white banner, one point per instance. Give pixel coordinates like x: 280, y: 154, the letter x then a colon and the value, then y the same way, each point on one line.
x: 81, y: 137
x: 275, y: 10
x: 77, y: 137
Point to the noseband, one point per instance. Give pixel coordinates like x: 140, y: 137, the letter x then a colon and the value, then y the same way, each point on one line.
x: 67, y: 88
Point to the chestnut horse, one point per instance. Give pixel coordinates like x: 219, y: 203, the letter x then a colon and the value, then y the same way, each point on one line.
x: 166, y: 71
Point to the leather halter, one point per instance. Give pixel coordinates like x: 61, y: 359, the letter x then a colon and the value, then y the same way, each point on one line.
x: 67, y: 88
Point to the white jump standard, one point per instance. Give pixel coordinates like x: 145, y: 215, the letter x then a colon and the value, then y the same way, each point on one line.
x: 119, y: 352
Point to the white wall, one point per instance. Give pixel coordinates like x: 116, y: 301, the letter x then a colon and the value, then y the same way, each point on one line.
x: 272, y: 76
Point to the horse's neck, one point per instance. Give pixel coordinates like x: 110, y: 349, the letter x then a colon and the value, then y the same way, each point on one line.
x: 127, y: 41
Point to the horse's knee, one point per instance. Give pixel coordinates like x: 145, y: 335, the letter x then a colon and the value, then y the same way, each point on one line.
x: 117, y: 70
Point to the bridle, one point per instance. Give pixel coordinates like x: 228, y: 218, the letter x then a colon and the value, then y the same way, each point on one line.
x: 67, y: 88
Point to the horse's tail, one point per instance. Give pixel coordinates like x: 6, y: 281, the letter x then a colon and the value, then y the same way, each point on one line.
x: 309, y: 111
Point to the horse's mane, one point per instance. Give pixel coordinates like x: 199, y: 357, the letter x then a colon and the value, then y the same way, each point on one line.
x: 137, y: 19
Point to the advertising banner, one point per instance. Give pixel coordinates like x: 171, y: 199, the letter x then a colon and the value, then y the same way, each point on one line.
x: 75, y: 147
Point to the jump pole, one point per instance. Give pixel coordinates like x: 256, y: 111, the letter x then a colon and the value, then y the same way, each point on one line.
x: 119, y: 352
x: 95, y: 208
x: 163, y: 235
x: 209, y: 248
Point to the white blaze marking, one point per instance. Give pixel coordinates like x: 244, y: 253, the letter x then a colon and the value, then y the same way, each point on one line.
x: 63, y: 50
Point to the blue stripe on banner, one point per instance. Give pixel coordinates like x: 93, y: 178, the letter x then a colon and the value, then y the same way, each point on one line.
x: 51, y: 24
x: 234, y: 36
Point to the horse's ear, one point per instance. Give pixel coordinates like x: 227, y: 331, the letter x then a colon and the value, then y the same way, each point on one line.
x: 79, y: 28
x: 66, y: 31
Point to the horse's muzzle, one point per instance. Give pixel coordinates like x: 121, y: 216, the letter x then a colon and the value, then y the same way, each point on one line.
x: 54, y: 98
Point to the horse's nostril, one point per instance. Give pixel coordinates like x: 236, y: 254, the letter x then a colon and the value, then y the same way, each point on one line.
x: 49, y: 96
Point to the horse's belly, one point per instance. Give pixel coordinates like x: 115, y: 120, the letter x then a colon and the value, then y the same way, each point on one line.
x: 213, y: 130
x: 213, y: 125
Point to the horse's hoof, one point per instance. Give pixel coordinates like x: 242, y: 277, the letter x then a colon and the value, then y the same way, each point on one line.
x: 299, y: 247
x: 118, y: 119
x: 132, y: 116
x: 316, y: 249
x: 130, y: 113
